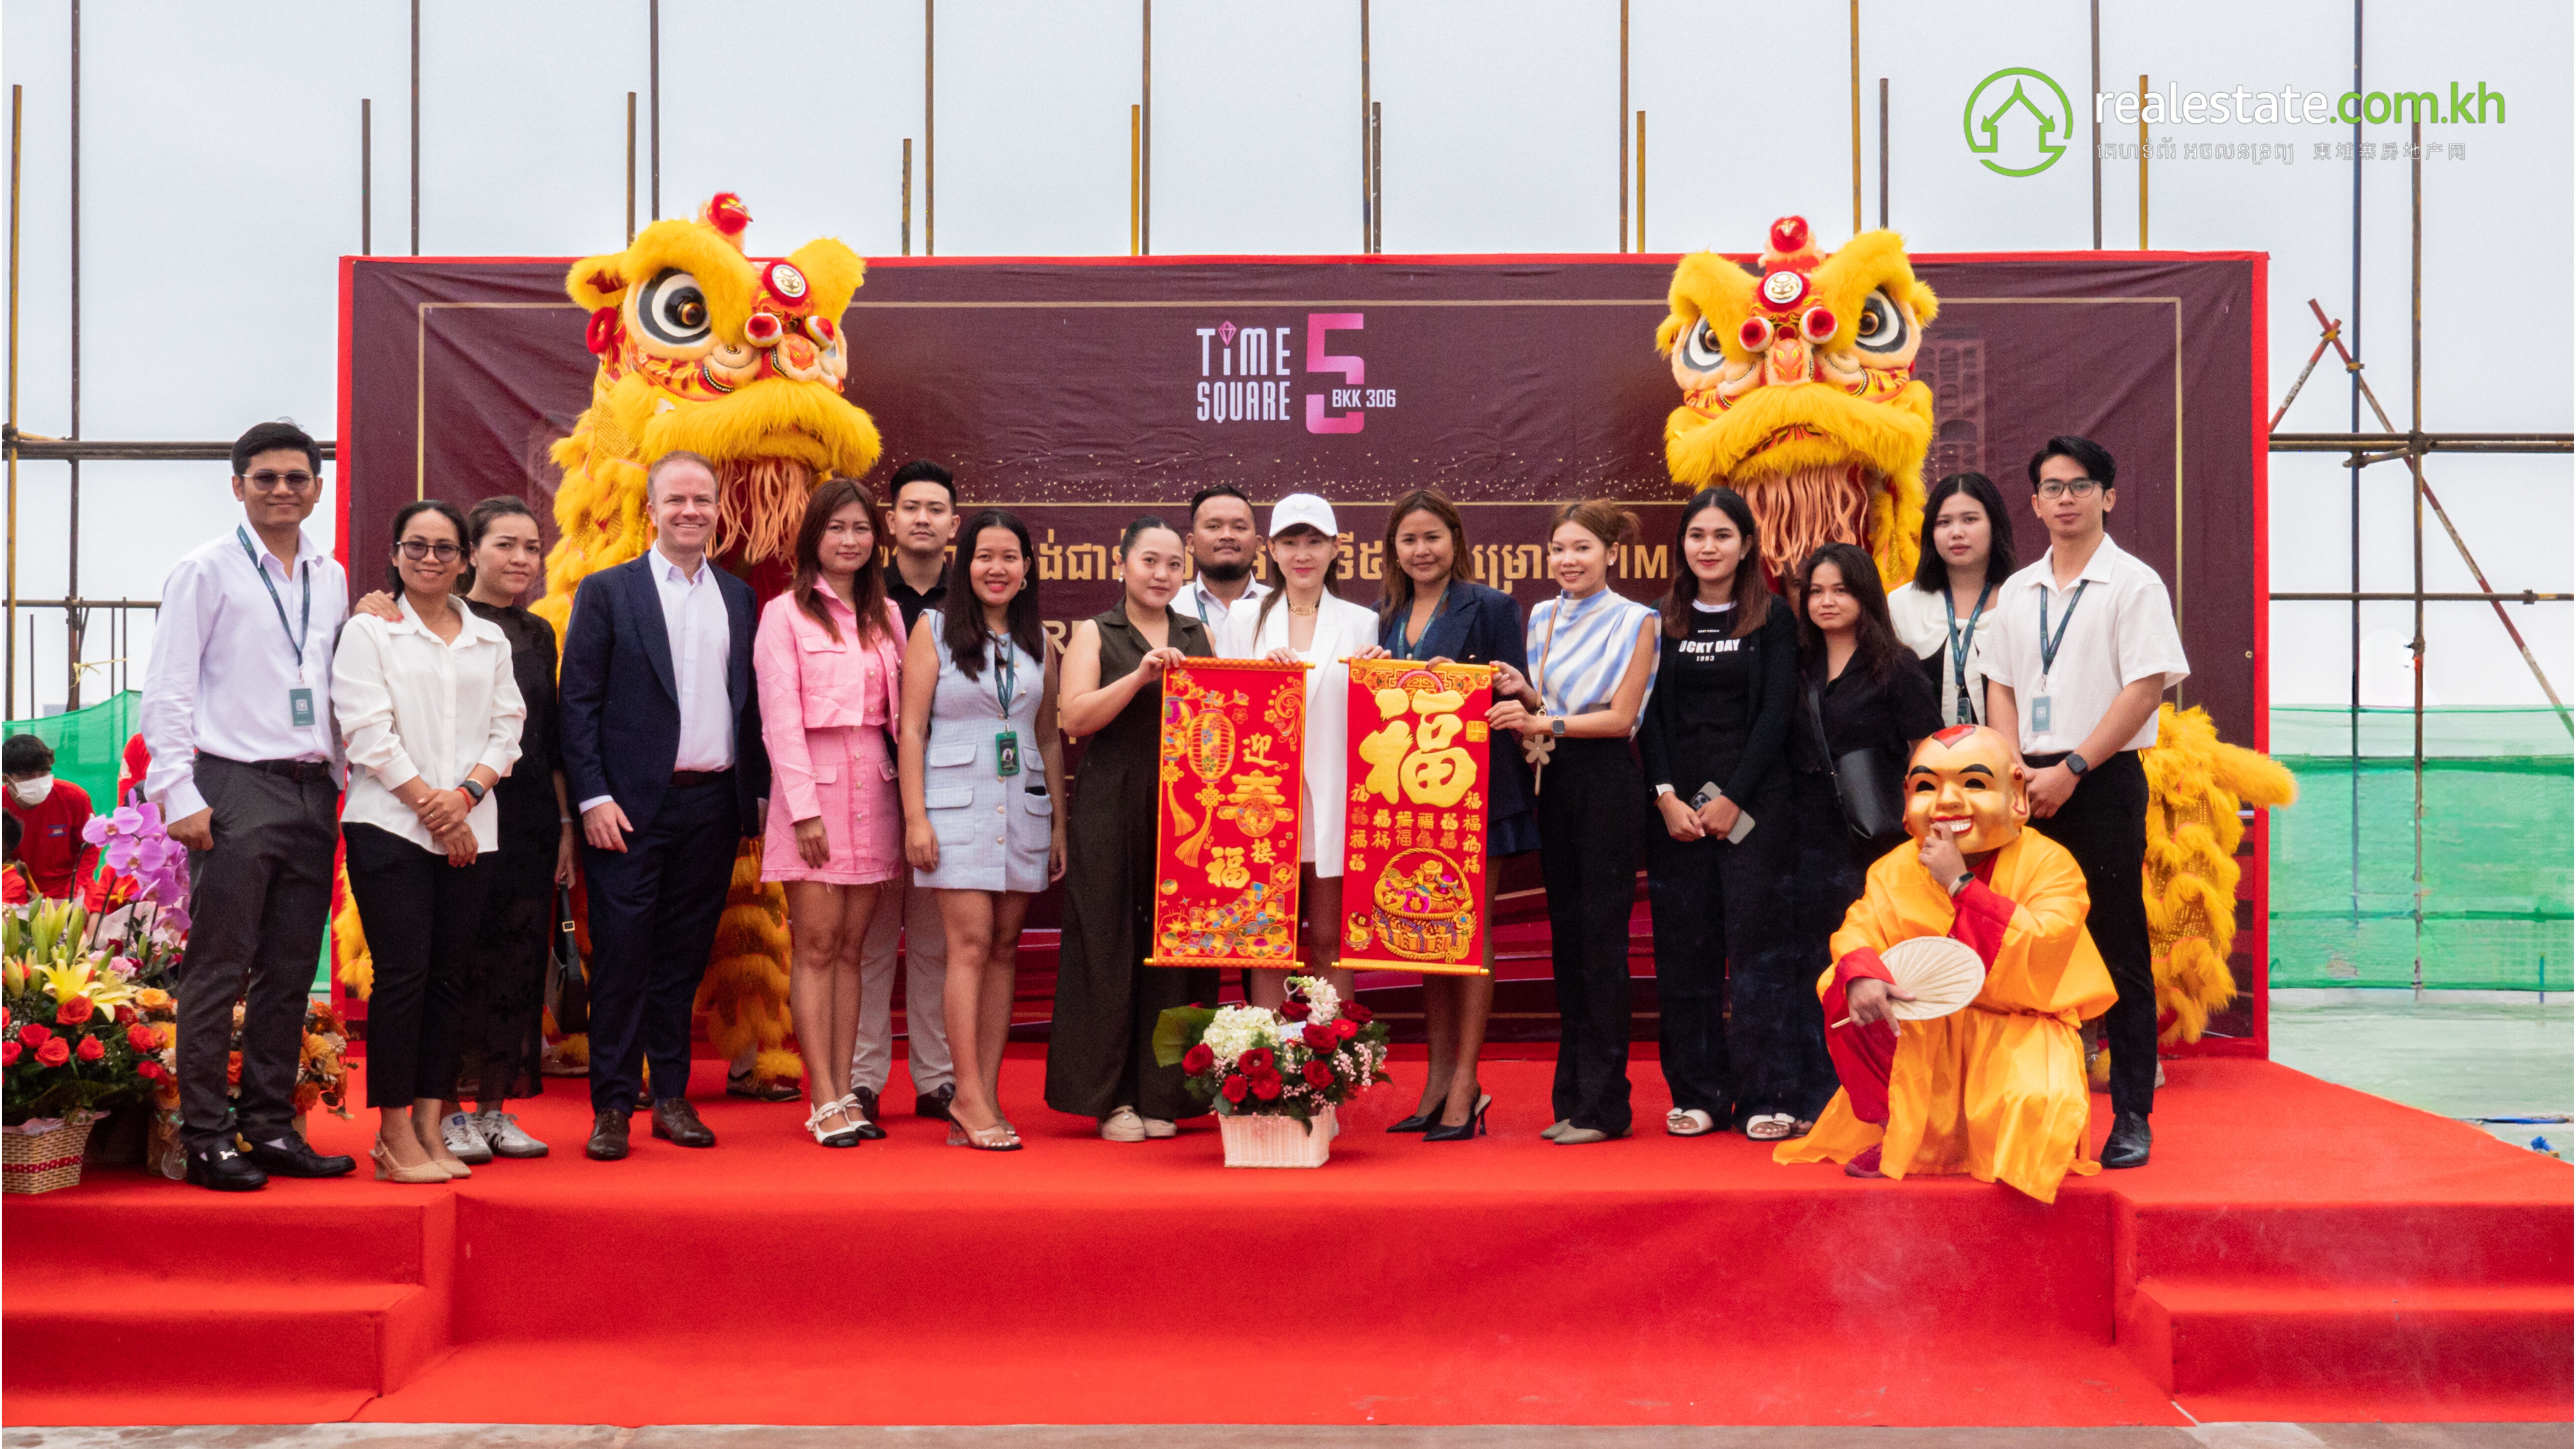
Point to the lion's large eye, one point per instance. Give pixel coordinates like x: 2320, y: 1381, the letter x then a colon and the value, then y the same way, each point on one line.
x: 1882, y: 325
x: 1700, y: 352
x: 673, y: 309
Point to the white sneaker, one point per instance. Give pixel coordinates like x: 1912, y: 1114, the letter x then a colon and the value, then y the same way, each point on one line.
x: 1122, y: 1125
x: 1158, y: 1129
x: 501, y: 1130
x: 463, y: 1133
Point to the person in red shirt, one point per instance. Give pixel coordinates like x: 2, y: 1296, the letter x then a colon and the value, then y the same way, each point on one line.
x: 50, y: 813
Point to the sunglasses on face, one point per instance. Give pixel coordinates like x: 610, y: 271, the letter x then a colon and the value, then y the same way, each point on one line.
x: 418, y: 549
x: 269, y: 481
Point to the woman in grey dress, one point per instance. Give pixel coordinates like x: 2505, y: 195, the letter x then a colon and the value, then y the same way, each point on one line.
x: 980, y: 759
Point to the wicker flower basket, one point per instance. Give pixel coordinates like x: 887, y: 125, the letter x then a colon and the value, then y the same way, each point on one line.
x: 45, y: 1160
x: 1260, y: 1141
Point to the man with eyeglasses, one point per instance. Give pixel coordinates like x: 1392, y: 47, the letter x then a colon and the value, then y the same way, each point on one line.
x: 2083, y: 650
x: 246, y: 767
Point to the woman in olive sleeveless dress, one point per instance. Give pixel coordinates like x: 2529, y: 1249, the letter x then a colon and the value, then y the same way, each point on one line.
x: 1100, y: 1052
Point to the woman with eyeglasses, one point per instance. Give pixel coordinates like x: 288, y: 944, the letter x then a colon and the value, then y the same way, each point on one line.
x: 429, y: 712
x: 1947, y: 612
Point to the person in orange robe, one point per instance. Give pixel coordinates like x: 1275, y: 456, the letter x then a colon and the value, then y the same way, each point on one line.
x: 1996, y: 1089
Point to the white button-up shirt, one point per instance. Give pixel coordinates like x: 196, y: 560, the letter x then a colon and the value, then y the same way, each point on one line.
x: 224, y: 669
x: 693, y: 609
x: 2122, y: 632
x: 1195, y: 601
x: 413, y: 705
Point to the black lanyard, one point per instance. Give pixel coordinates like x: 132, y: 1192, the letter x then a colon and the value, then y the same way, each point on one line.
x: 1411, y: 649
x: 1006, y: 673
x: 1960, y: 643
x: 293, y: 639
x: 2047, y: 644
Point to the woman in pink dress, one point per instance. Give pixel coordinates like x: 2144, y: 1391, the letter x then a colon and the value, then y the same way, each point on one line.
x: 829, y: 660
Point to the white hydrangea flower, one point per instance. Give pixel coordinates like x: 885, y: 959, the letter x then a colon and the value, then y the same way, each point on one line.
x: 1238, y: 1029
x: 1319, y: 994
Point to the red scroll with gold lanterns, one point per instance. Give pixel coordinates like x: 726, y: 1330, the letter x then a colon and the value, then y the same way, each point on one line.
x: 1225, y: 831
x: 1413, y: 868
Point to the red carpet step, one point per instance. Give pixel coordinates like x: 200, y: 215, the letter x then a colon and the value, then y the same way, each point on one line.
x: 2295, y: 1251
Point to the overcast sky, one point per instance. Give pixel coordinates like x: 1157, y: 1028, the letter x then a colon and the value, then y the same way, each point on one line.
x: 220, y: 178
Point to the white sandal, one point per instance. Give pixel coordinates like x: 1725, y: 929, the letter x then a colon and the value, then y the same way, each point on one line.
x: 843, y: 1107
x: 1688, y: 1122
x: 1770, y: 1126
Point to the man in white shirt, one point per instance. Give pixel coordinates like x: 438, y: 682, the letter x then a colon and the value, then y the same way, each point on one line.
x: 2084, y: 648
x: 246, y: 768
x: 661, y: 748
x: 1224, y: 547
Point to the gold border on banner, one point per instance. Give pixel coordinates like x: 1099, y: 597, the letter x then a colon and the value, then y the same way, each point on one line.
x: 1290, y: 896
x: 1366, y: 677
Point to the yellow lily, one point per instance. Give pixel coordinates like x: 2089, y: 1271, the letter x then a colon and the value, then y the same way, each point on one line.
x: 80, y: 978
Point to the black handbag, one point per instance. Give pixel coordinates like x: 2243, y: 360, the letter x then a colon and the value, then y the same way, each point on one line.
x: 571, y: 989
x: 1869, y: 783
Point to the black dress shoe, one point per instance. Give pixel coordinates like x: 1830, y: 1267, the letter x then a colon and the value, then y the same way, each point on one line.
x: 607, y: 1136
x: 225, y: 1170
x: 2129, y: 1140
x: 934, y: 1105
x: 868, y: 1129
x: 676, y: 1122
x: 1418, y: 1122
x: 294, y: 1157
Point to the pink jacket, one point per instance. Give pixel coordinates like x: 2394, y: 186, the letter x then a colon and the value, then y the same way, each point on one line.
x: 823, y: 702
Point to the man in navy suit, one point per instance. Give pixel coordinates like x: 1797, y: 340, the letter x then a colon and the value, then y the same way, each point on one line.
x: 662, y: 750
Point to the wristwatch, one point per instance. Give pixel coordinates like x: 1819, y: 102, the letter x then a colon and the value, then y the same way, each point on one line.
x: 2075, y: 765
x: 473, y: 789
x: 1961, y: 883
x: 1556, y: 725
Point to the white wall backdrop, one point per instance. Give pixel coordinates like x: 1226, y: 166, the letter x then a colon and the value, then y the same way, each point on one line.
x: 220, y: 183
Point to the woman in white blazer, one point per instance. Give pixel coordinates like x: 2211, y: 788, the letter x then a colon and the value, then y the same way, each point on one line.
x: 1306, y: 621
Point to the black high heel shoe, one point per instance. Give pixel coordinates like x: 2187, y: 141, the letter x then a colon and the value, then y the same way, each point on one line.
x: 1474, y: 1126
x: 1418, y: 1122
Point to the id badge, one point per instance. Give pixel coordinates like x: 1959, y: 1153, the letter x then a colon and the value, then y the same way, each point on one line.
x: 299, y: 707
x: 2039, y: 714
x: 1006, y: 753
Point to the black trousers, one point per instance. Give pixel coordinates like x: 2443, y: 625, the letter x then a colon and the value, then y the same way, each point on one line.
x: 421, y: 916
x: 1723, y: 924
x: 259, y: 900
x: 653, y: 914
x: 2104, y: 826
x: 1830, y: 867
x: 1589, y: 803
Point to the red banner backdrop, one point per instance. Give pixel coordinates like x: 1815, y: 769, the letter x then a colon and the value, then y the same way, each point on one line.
x: 1225, y: 837
x: 1084, y: 392
x: 1413, y: 869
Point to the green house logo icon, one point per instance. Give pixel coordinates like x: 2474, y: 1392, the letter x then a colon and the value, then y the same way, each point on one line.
x: 2018, y: 113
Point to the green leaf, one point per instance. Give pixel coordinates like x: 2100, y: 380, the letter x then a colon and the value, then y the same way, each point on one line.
x: 1177, y: 1030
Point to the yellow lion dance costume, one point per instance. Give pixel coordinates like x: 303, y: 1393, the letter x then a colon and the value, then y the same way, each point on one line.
x: 1798, y: 391
x: 704, y: 349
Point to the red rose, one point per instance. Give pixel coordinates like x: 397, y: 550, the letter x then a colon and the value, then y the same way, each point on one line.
x: 9, y: 1052
x: 148, y: 1069
x: 142, y: 1038
x: 1296, y: 1011
x: 74, y: 1011
x: 1260, y: 1059
x: 1353, y: 1011
x: 91, y: 1049
x: 1319, y: 1036
x: 35, y: 1035
x: 1345, y: 1029
x: 53, y: 1053
x: 1318, y: 1075
x: 1234, y: 1088
x: 4, y: 1016
x: 1197, y: 1059
x: 1267, y: 1089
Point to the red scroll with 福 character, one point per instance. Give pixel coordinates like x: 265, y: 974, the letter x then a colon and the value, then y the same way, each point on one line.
x: 1225, y: 836
x: 1413, y: 866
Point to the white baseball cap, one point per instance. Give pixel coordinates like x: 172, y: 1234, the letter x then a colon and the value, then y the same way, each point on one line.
x: 1302, y: 508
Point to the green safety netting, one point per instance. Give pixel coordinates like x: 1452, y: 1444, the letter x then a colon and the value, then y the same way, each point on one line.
x: 2499, y: 831
x: 89, y: 743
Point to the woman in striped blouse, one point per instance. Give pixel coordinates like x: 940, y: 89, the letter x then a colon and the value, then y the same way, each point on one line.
x: 1593, y: 656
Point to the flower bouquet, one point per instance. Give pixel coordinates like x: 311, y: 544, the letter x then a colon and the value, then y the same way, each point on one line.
x: 76, y: 1036
x: 1275, y: 1077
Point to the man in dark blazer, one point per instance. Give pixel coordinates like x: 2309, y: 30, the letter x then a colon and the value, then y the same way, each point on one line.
x: 662, y: 750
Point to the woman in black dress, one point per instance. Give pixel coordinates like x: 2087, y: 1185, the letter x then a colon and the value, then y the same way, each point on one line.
x: 501, y: 1033
x: 1100, y: 1054
x: 1860, y: 689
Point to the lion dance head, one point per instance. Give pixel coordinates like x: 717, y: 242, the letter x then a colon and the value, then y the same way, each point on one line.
x: 1798, y: 391
x: 704, y: 349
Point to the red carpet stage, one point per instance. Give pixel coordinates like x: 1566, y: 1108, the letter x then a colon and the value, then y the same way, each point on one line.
x: 2296, y: 1251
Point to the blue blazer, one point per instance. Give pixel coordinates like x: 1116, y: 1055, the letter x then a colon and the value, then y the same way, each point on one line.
x: 1478, y: 625
x: 620, y: 702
